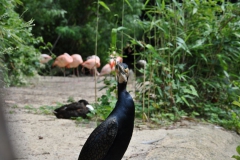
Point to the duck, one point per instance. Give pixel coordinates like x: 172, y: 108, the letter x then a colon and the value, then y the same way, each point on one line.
x: 110, y: 140
x: 75, y: 109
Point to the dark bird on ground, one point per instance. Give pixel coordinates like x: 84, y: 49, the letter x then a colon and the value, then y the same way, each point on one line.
x: 76, y: 109
x: 109, y: 141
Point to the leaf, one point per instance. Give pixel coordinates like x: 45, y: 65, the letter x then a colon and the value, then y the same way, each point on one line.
x: 194, y: 91
x: 146, y: 3
x: 129, y: 4
x: 182, y: 44
x: 199, y: 43
x: 183, y: 98
x: 151, y: 48
x: 237, y: 35
x: 226, y: 74
x: 114, y: 37
x: 236, y: 103
x: 204, y: 57
x: 236, y: 157
x: 238, y: 149
x: 163, y: 5
x: 175, y: 51
x: 104, y: 5
x: 195, y: 10
x: 121, y: 28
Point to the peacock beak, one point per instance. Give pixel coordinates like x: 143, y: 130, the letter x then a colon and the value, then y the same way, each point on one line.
x: 122, y: 72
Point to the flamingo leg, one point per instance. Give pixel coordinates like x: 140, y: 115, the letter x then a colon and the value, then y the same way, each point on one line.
x: 64, y: 70
x: 77, y: 72
x: 73, y: 72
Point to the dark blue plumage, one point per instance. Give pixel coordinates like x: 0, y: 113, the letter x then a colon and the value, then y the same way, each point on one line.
x: 109, y: 141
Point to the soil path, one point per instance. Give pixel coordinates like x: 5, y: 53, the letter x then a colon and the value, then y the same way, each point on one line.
x: 38, y: 137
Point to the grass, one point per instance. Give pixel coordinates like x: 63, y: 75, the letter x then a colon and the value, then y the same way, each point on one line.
x: 45, y: 109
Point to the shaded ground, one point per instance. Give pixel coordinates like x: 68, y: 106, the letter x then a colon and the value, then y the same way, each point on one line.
x: 38, y: 137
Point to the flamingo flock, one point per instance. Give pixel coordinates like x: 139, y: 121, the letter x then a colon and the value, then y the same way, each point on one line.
x: 92, y: 63
x: 73, y: 61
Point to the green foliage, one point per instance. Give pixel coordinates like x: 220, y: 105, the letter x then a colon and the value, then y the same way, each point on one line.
x: 45, y: 109
x: 17, y: 50
x: 70, y: 99
x: 192, y: 51
x: 106, y: 102
x: 237, y: 157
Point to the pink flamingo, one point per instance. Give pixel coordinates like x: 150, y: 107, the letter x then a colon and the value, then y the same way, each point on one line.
x: 110, y: 67
x: 77, y: 60
x: 44, y: 58
x: 114, y: 58
x: 92, y: 63
x: 106, y: 70
x: 62, y: 61
x: 93, y: 57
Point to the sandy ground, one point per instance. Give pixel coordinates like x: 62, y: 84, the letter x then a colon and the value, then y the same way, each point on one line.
x: 38, y: 137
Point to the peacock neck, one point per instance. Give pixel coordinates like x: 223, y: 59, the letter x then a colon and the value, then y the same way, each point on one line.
x: 121, y: 88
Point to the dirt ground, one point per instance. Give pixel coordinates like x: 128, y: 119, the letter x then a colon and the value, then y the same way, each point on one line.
x: 38, y: 137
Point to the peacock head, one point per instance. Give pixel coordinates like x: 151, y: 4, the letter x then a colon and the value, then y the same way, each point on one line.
x: 122, y: 72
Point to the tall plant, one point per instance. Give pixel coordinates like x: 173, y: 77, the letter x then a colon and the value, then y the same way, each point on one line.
x: 192, y: 53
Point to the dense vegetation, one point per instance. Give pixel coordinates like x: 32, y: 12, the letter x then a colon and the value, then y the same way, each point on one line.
x: 192, y: 64
x: 192, y: 49
x: 193, y: 60
x: 19, y: 57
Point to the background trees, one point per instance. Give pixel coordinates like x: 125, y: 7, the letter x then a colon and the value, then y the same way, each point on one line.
x: 70, y: 26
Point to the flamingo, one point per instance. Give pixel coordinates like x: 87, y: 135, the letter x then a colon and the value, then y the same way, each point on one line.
x: 62, y: 61
x: 114, y: 59
x: 45, y: 63
x: 93, y: 57
x: 106, y: 70
x: 92, y: 63
x: 110, y: 67
x: 77, y: 60
x: 44, y: 58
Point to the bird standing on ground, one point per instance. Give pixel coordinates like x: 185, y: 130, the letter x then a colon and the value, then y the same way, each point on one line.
x: 106, y: 70
x: 109, y: 141
x: 44, y: 58
x: 77, y: 60
x: 62, y: 61
x: 110, y: 67
x: 92, y: 63
x: 76, y: 109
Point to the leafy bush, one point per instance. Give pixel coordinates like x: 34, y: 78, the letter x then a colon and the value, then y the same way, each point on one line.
x: 107, y: 102
x: 17, y: 50
x: 192, y: 58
